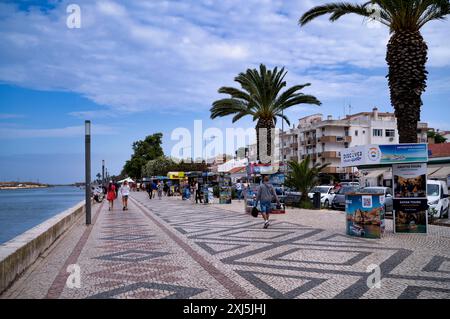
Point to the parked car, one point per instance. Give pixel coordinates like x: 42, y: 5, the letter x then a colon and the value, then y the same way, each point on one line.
x: 386, y: 191
x: 326, y: 194
x: 349, y: 184
x: 291, y: 196
x: 339, y: 198
x: 437, y: 195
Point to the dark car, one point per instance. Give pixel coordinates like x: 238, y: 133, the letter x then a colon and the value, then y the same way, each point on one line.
x: 339, y: 199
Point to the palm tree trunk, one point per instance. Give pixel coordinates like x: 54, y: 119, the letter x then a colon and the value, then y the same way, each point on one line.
x: 406, y: 57
x: 264, y: 134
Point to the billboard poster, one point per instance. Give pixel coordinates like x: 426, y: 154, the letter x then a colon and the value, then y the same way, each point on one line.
x: 384, y: 154
x: 403, y: 153
x: 411, y: 215
x: 410, y: 180
x: 364, y: 215
x: 225, y: 190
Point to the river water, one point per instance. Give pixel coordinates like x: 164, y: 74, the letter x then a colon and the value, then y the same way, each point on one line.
x: 21, y: 210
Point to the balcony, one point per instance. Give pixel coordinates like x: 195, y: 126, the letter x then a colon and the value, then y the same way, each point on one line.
x: 336, y: 170
x: 330, y: 155
x: 334, y: 139
x: 329, y: 170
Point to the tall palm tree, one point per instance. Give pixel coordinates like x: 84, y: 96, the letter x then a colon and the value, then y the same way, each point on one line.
x: 261, y: 98
x: 303, y: 176
x: 406, y: 50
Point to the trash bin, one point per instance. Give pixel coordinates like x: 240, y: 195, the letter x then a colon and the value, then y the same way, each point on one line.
x: 316, y: 200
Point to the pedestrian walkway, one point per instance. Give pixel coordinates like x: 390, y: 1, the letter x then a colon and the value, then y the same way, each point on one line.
x: 176, y: 249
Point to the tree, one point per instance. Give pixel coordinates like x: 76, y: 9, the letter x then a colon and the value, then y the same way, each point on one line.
x: 159, y: 167
x: 260, y: 97
x: 406, y: 51
x: 438, y: 138
x: 302, y: 177
x: 163, y: 165
x: 143, y: 151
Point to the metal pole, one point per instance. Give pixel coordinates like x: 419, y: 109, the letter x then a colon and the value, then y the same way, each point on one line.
x: 88, y: 170
x: 282, y: 143
x: 103, y: 172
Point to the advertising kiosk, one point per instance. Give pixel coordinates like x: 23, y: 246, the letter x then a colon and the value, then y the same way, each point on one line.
x: 225, y: 189
x: 409, y: 180
x: 364, y: 215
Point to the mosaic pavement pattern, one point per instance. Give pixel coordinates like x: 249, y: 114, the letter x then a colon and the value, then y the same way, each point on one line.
x: 175, y: 249
x: 291, y: 260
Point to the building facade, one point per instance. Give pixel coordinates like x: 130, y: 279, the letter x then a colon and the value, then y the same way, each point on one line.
x: 324, y: 138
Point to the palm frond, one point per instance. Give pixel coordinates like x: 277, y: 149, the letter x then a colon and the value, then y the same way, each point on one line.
x: 336, y: 10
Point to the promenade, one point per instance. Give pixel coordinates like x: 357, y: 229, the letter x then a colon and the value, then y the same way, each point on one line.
x: 176, y: 249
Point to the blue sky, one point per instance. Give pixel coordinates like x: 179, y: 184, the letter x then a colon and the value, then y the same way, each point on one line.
x: 140, y: 67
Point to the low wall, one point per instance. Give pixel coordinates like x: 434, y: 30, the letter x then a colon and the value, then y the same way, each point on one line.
x: 21, y: 252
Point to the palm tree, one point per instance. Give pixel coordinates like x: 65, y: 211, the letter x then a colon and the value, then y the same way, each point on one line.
x: 261, y: 98
x: 303, y: 176
x: 406, y: 50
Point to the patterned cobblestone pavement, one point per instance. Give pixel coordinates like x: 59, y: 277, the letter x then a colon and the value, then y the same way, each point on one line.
x: 175, y: 249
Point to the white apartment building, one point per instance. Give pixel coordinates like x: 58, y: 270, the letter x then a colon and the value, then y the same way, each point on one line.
x: 325, y: 139
x: 289, y: 145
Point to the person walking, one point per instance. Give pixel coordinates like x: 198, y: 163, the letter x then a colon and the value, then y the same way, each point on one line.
x: 165, y: 189
x: 198, y: 196
x: 111, y: 195
x: 148, y: 188
x: 265, y: 194
x: 160, y: 190
x: 125, y: 192
x: 154, y: 189
x: 239, y: 190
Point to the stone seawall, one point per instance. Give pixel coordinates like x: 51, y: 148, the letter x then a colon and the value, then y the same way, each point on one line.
x: 21, y: 252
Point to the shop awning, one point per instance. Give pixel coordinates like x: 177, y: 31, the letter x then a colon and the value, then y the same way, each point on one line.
x: 443, y: 172
x: 238, y: 170
x: 432, y: 169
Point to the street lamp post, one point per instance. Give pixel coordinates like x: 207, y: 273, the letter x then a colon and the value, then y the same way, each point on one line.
x: 103, y: 172
x: 87, y: 144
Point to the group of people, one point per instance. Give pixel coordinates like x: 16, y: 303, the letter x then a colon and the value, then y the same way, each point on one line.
x: 157, y: 188
x: 114, y: 190
x: 264, y: 196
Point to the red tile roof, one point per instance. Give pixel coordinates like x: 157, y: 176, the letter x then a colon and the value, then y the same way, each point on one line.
x: 439, y: 150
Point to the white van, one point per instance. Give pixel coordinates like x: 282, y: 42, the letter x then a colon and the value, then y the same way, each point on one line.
x: 437, y: 195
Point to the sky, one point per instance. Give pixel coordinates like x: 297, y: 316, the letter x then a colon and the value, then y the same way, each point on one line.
x: 135, y: 68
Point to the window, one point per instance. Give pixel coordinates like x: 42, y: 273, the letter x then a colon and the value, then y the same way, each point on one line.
x: 377, y: 132
x: 390, y: 133
x: 364, y: 132
x: 356, y: 133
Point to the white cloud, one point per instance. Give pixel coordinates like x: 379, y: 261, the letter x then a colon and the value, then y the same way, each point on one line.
x: 65, y: 132
x: 169, y: 55
x: 8, y: 116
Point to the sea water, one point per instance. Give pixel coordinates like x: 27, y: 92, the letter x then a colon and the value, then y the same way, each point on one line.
x: 23, y: 209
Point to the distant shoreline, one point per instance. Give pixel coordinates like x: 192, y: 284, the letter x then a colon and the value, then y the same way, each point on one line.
x: 22, y: 186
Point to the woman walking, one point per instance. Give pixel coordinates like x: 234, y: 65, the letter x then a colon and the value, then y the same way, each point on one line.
x: 111, y: 195
x: 160, y: 190
x: 125, y: 192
